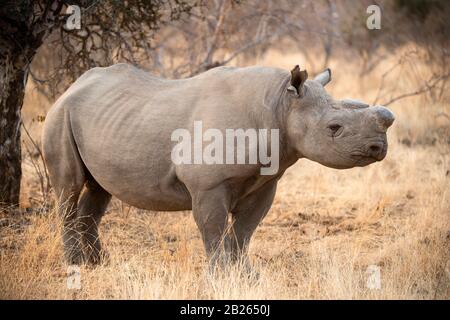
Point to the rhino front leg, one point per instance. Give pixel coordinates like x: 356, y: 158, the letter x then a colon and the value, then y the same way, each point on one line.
x: 247, y: 215
x: 210, y: 209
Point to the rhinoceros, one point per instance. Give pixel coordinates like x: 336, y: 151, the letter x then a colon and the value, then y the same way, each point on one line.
x: 111, y: 133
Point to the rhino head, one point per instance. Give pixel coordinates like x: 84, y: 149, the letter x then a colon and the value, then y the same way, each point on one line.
x: 339, y: 134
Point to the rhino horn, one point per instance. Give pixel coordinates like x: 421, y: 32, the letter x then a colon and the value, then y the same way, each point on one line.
x: 384, y: 116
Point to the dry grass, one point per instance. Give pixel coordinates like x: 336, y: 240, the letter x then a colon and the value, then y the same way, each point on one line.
x: 323, y: 231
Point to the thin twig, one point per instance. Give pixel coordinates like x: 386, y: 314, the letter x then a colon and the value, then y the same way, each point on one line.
x: 427, y: 87
x: 45, y: 189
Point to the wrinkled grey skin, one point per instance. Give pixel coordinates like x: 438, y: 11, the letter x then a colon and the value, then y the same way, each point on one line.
x: 109, y: 134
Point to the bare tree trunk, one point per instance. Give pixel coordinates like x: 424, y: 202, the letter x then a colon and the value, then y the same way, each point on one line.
x: 12, y: 90
x: 18, y: 45
x: 23, y: 28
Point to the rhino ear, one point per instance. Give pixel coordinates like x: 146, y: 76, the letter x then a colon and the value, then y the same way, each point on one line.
x: 324, y: 77
x: 298, y: 78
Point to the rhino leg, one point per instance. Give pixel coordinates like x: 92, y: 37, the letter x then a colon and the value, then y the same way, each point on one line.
x: 67, y: 209
x: 91, y: 208
x: 210, y: 209
x: 67, y: 175
x: 247, y: 215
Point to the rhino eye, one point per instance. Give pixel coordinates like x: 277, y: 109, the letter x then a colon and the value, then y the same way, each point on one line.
x: 335, y: 129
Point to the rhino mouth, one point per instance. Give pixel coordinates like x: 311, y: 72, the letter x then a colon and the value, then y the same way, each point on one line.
x: 363, y: 156
x: 362, y: 160
x: 373, y: 151
x: 359, y: 156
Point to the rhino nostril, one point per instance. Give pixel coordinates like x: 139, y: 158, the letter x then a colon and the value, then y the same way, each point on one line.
x: 376, y: 150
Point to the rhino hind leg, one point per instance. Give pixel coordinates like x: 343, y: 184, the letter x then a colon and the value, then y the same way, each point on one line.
x: 91, y: 207
x: 67, y: 174
x: 67, y: 209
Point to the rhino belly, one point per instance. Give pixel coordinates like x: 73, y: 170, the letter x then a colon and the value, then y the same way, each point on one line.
x: 151, y: 187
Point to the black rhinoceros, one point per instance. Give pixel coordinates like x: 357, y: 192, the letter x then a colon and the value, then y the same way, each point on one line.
x: 111, y: 133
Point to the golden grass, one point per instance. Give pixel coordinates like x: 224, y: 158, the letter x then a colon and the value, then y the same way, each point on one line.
x: 324, y: 229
